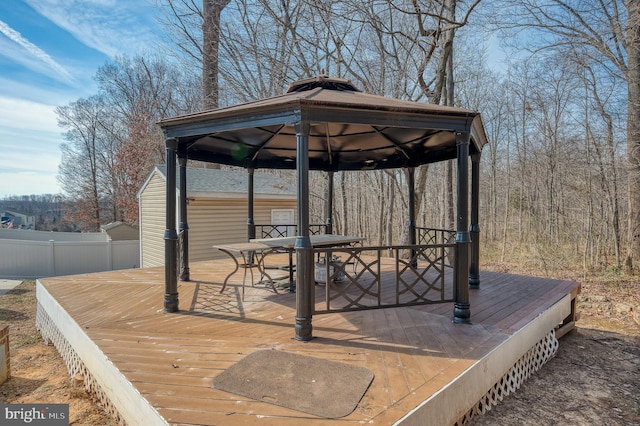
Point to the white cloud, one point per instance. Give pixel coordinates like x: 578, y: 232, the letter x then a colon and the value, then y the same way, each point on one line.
x: 27, y: 115
x: 25, y: 89
x: 27, y: 170
x: 27, y: 183
x: 111, y: 27
x: 29, y: 161
x: 34, y: 51
x: 30, y: 148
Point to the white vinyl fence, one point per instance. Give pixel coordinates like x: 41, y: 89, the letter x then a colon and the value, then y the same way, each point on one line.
x: 28, y: 255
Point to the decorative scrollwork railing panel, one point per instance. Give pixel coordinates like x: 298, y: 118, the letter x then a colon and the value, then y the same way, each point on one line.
x: 358, y: 278
x: 421, y: 278
x: 437, y: 237
x: 276, y: 231
x: 353, y: 281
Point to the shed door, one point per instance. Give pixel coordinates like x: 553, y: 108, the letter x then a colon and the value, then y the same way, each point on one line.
x: 283, y: 217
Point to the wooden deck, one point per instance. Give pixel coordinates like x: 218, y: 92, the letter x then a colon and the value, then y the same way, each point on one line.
x: 158, y: 368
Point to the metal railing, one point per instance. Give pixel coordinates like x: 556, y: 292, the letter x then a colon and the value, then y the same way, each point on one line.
x: 356, y: 277
x: 275, y: 231
x: 435, y: 236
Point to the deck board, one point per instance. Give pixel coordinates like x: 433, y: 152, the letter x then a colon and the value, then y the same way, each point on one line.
x: 172, y: 359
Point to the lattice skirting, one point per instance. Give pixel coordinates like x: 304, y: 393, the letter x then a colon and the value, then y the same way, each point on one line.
x: 51, y: 334
x: 530, y: 362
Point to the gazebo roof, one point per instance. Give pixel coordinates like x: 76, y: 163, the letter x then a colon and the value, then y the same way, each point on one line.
x: 350, y: 130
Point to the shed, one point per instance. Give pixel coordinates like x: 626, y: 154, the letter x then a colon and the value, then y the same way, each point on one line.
x: 217, y: 212
x: 120, y: 231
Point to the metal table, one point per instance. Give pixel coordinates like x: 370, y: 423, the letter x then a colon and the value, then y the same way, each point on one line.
x: 247, y: 256
x: 288, y: 244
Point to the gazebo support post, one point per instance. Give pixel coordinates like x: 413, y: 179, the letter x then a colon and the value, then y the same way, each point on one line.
x: 411, y: 183
x: 329, y: 213
x: 474, y: 269
x: 251, y: 226
x: 461, y: 307
x: 304, y: 250
x: 170, y: 234
x: 184, y: 225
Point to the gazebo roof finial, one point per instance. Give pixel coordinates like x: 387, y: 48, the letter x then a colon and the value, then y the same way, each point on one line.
x: 323, y: 81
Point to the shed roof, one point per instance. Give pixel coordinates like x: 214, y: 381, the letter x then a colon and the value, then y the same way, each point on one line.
x: 112, y: 225
x: 120, y: 231
x: 212, y: 182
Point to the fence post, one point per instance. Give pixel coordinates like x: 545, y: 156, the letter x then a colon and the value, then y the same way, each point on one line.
x: 52, y: 258
x: 109, y: 255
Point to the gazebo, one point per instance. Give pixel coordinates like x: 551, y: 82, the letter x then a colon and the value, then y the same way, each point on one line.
x: 326, y: 124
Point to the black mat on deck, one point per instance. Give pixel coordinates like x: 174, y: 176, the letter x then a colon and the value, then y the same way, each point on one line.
x: 315, y: 386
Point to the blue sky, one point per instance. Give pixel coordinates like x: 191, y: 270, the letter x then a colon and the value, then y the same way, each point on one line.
x: 49, y: 53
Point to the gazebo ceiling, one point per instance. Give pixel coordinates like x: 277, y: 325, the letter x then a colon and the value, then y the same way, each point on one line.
x: 349, y: 130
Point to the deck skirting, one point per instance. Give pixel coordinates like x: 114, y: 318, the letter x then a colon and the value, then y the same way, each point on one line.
x: 82, y: 356
x: 52, y: 335
x: 532, y: 361
x: 503, y: 369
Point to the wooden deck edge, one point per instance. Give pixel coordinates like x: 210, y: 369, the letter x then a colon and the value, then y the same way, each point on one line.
x: 569, y: 322
x: 105, y: 379
x: 463, y: 396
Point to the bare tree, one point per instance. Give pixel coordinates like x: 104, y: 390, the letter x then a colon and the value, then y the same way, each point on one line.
x: 194, y: 28
x: 607, y: 33
x: 139, y: 92
x: 633, y: 131
x: 605, y: 154
x: 81, y: 174
x: 112, y: 139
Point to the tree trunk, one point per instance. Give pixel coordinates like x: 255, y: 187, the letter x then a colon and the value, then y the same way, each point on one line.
x: 382, y: 214
x: 392, y: 200
x: 211, y: 11
x: 421, y: 187
x: 633, y: 134
x: 345, y: 203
